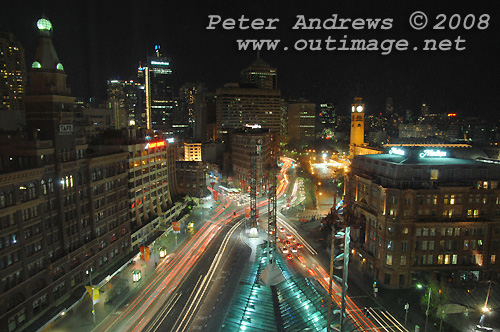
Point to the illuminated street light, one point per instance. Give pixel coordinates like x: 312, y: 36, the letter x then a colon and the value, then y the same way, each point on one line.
x: 419, y: 286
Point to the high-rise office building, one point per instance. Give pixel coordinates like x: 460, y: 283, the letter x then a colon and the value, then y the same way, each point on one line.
x: 189, y: 93
x: 255, y: 101
x: 301, y: 121
x: 125, y: 101
x: 157, y: 76
x: 12, y: 73
x: 260, y: 75
x: 237, y: 107
x: 328, y: 119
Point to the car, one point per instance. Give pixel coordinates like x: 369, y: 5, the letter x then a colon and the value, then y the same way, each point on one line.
x: 289, y: 256
x: 284, y: 250
x: 293, y: 240
x: 299, y: 246
x: 293, y: 249
x: 288, y: 236
x: 282, y: 230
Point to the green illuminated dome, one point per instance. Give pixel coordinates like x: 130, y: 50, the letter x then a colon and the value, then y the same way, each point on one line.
x: 44, y: 24
x: 60, y: 66
x: 36, y: 64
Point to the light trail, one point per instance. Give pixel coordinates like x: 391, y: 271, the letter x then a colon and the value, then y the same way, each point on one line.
x: 170, y: 273
x: 161, y: 317
x: 184, y: 324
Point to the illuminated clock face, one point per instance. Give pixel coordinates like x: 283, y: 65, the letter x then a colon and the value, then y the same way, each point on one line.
x: 359, y: 108
x: 353, y: 109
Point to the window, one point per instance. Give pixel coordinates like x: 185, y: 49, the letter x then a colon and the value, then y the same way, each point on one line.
x: 493, y: 259
x: 404, y: 246
x: 388, y: 260
x: 403, y: 260
x: 434, y: 174
x: 389, y: 245
x: 440, y: 259
x: 431, y: 245
x: 466, y: 244
x: 447, y: 259
x: 454, y: 259
x: 424, y: 245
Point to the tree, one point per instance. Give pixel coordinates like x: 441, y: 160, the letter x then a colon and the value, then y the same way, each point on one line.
x: 439, y: 297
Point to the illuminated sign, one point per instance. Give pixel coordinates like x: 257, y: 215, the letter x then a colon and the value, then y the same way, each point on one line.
x: 254, y: 126
x: 160, y: 63
x: 398, y: 151
x: 433, y: 153
x: 155, y: 144
x: 170, y: 140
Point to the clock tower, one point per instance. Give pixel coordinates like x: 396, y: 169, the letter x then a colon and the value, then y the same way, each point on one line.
x: 357, y: 126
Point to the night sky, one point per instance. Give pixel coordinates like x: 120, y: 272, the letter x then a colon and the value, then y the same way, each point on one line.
x: 100, y: 40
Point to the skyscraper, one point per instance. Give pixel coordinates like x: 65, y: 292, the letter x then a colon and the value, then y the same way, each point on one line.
x: 12, y: 73
x: 255, y: 101
x: 260, y: 75
x: 159, y: 94
x: 125, y: 101
x: 301, y: 121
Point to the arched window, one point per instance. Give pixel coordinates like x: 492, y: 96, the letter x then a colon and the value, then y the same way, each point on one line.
x: 23, y: 193
x: 51, y: 185
x: 3, y: 201
x: 44, y: 187
x: 32, y: 191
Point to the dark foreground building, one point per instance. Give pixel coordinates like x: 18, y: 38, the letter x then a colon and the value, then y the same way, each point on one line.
x: 63, y: 207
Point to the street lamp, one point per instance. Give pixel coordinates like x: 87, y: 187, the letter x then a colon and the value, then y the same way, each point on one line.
x: 89, y: 272
x: 428, y: 305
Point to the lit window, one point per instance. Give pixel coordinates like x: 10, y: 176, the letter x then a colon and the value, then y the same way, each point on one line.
x: 388, y: 260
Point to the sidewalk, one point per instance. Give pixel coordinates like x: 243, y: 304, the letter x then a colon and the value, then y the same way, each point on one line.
x: 118, y: 290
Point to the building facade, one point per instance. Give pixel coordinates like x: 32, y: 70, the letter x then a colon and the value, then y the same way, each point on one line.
x: 301, y: 122
x: 421, y: 214
x: 191, y: 178
x: 237, y: 107
x: 244, y: 146
x: 12, y: 73
x: 62, y: 205
x: 260, y: 75
x: 192, y: 152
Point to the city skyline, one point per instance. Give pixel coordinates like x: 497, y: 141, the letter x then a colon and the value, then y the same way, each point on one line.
x: 97, y: 45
